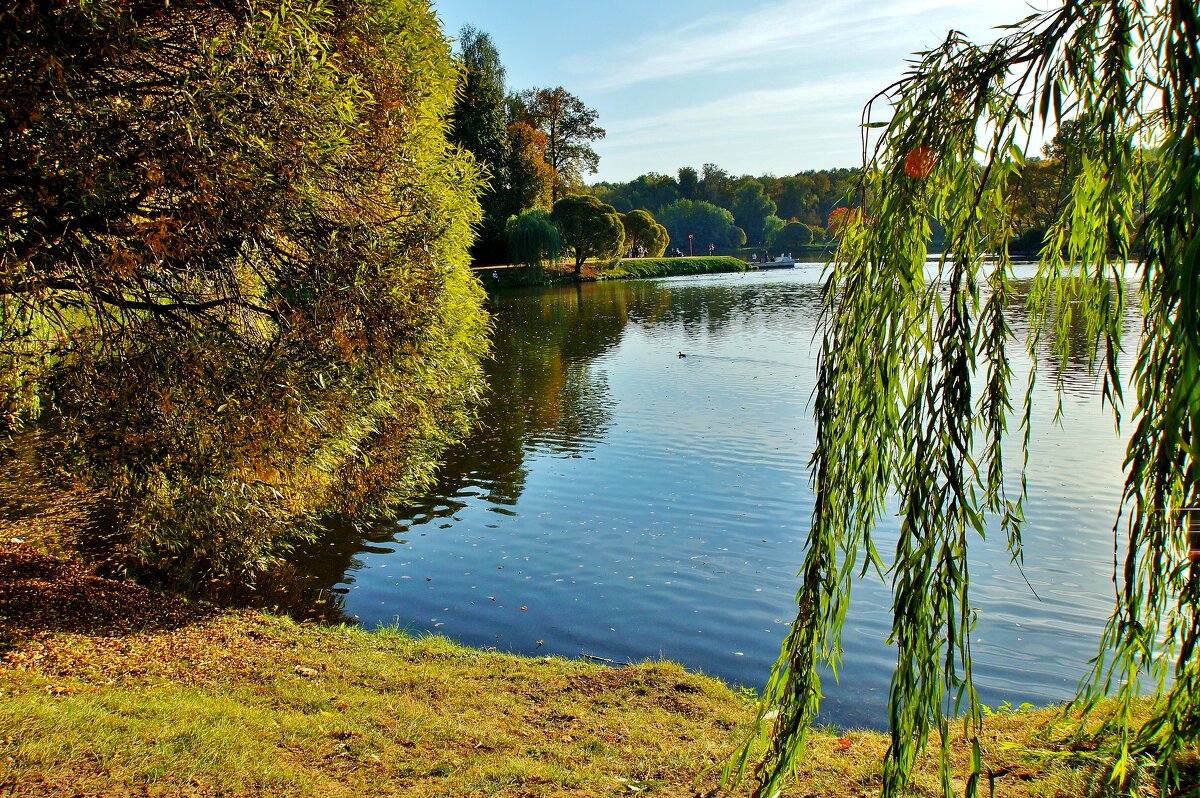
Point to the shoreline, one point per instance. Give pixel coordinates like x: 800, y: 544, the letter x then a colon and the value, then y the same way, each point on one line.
x: 111, y: 688
x: 562, y: 273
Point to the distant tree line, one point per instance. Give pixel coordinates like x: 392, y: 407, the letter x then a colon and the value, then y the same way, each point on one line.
x: 534, y: 146
x: 783, y: 213
x: 730, y: 212
x: 535, y: 149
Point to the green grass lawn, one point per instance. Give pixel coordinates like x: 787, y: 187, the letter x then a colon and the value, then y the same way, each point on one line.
x: 670, y: 267
x: 109, y: 689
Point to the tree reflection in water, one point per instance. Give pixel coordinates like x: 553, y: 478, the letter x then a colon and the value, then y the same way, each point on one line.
x: 549, y: 394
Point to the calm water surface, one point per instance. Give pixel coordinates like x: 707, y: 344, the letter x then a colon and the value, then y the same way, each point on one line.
x: 623, y: 502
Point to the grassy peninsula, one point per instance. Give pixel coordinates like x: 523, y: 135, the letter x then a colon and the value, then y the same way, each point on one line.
x: 625, y: 268
x: 673, y: 267
x: 111, y: 689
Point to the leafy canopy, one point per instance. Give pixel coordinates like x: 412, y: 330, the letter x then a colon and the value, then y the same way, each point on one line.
x: 915, y: 390
x: 478, y: 125
x: 588, y: 227
x: 532, y: 239
x: 570, y: 128
x: 751, y: 208
x: 792, y: 235
x: 709, y: 224
x: 232, y: 247
x: 531, y: 179
x: 642, y: 230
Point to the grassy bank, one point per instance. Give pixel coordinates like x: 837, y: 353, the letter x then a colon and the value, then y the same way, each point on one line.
x: 498, y: 277
x: 818, y: 251
x: 110, y: 689
x: 673, y: 267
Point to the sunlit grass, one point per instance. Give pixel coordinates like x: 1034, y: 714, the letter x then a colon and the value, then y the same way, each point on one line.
x: 669, y: 267
x: 254, y: 705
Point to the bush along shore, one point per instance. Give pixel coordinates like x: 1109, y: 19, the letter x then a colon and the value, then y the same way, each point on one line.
x: 673, y: 267
x: 111, y: 689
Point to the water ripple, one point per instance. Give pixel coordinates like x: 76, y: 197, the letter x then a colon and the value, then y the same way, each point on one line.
x: 628, y: 503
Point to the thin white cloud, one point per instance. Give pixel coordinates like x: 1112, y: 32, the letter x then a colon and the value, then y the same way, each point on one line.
x: 793, y: 28
x: 777, y: 89
x: 754, y: 116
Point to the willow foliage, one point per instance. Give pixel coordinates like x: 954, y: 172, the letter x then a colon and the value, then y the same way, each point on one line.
x: 532, y: 239
x: 915, y: 391
x: 232, y: 263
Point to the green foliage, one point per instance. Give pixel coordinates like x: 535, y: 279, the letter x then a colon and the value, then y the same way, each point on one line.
x: 570, y: 128
x: 1043, y: 187
x: 710, y: 225
x: 651, y: 192
x: 688, y: 183
x: 532, y: 239
x: 478, y: 125
x: 642, y: 230
x: 771, y: 228
x: 806, y: 197
x: 751, y: 208
x: 674, y: 267
x: 915, y: 395
x: 791, y: 236
x: 232, y: 264
x: 531, y: 180
x: 588, y: 227
x: 716, y: 186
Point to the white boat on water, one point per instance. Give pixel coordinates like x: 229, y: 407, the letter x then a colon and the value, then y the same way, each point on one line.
x: 778, y: 262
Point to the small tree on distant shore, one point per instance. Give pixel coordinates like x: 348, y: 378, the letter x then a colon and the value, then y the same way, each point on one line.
x: 751, y: 208
x: 839, y: 219
x: 589, y: 228
x: 791, y: 236
x: 708, y: 223
x: 532, y: 239
x: 641, y: 229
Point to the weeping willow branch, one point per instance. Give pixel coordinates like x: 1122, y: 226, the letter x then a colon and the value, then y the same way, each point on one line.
x: 915, y: 391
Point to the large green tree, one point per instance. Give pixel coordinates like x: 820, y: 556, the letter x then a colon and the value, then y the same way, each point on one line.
x: 716, y: 186
x: 232, y: 264
x: 688, y: 183
x: 915, y: 387
x: 533, y: 240
x: 588, y: 227
x: 708, y: 223
x: 570, y: 128
x: 790, y: 236
x: 479, y: 125
x: 751, y: 207
x: 641, y: 229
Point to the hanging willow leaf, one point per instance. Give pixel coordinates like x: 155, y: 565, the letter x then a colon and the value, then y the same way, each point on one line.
x: 914, y: 391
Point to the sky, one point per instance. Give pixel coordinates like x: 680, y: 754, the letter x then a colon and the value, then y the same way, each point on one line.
x: 754, y: 86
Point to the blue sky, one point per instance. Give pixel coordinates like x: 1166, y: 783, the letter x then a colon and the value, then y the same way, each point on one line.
x: 756, y: 86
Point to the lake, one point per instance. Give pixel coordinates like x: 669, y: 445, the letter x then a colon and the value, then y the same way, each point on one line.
x: 623, y: 502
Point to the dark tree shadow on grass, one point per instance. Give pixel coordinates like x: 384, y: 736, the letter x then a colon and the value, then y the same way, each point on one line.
x: 40, y: 593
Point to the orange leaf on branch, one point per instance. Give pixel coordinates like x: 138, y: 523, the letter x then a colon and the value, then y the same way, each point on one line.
x: 919, y: 162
